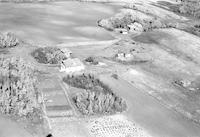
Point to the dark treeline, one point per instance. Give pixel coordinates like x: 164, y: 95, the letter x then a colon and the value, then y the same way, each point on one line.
x: 97, y: 98
x: 19, y: 94
x: 49, y: 55
x: 8, y: 40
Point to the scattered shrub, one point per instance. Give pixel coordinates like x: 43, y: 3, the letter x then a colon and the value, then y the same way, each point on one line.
x: 18, y: 88
x: 8, y: 40
x: 115, y: 76
x: 92, y: 60
x: 49, y: 55
x: 87, y: 82
x: 97, y: 98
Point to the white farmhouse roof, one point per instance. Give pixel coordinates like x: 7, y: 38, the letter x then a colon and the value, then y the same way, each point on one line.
x: 136, y: 27
x: 72, y: 65
x: 72, y: 62
x: 66, y: 50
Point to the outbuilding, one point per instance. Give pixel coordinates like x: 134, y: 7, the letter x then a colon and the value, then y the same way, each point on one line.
x: 67, y: 52
x: 72, y: 65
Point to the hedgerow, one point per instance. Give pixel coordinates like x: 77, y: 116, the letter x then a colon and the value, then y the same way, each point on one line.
x: 97, y: 98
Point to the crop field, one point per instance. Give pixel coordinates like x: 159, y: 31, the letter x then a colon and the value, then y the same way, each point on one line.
x: 116, y: 125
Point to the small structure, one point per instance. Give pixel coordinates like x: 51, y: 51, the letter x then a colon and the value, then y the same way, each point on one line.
x: 72, y: 65
x: 67, y: 52
x: 124, y: 56
x: 101, y: 64
x: 121, y: 30
x: 136, y: 27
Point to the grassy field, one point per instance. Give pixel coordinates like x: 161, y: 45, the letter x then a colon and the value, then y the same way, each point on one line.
x: 161, y: 92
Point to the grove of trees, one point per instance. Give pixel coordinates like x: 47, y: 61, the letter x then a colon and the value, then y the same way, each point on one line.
x: 49, y: 55
x: 8, y: 40
x: 92, y: 60
x: 124, y: 19
x: 19, y: 94
x: 97, y: 98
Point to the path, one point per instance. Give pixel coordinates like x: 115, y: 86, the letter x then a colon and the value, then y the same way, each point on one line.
x: 62, y: 115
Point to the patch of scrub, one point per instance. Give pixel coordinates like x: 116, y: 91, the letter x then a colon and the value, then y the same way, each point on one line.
x: 115, y: 126
x: 96, y: 98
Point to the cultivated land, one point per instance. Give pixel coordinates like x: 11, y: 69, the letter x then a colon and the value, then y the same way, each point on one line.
x: 154, y: 68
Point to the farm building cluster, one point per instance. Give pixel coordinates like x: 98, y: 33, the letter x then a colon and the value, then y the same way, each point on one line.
x: 71, y: 65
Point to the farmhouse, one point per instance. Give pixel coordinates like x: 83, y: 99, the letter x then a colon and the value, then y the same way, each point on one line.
x: 121, y: 30
x: 135, y: 27
x: 67, y: 52
x: 124, y: 56
x: 72, y: 65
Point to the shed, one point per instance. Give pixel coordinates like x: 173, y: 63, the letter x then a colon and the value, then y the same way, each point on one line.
x: 72, y: 65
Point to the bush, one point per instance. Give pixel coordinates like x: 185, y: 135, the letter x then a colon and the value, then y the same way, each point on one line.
x: 18, y: 88
x: 92, y: 60
x: 97, y: 98
x: 115, y: 76
x: 8, y: 40
x: 49, y: 55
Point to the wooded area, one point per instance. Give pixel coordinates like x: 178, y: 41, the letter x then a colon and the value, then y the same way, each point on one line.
x: 97, y: 98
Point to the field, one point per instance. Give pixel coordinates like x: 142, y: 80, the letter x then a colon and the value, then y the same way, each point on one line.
x: 143, y: 54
